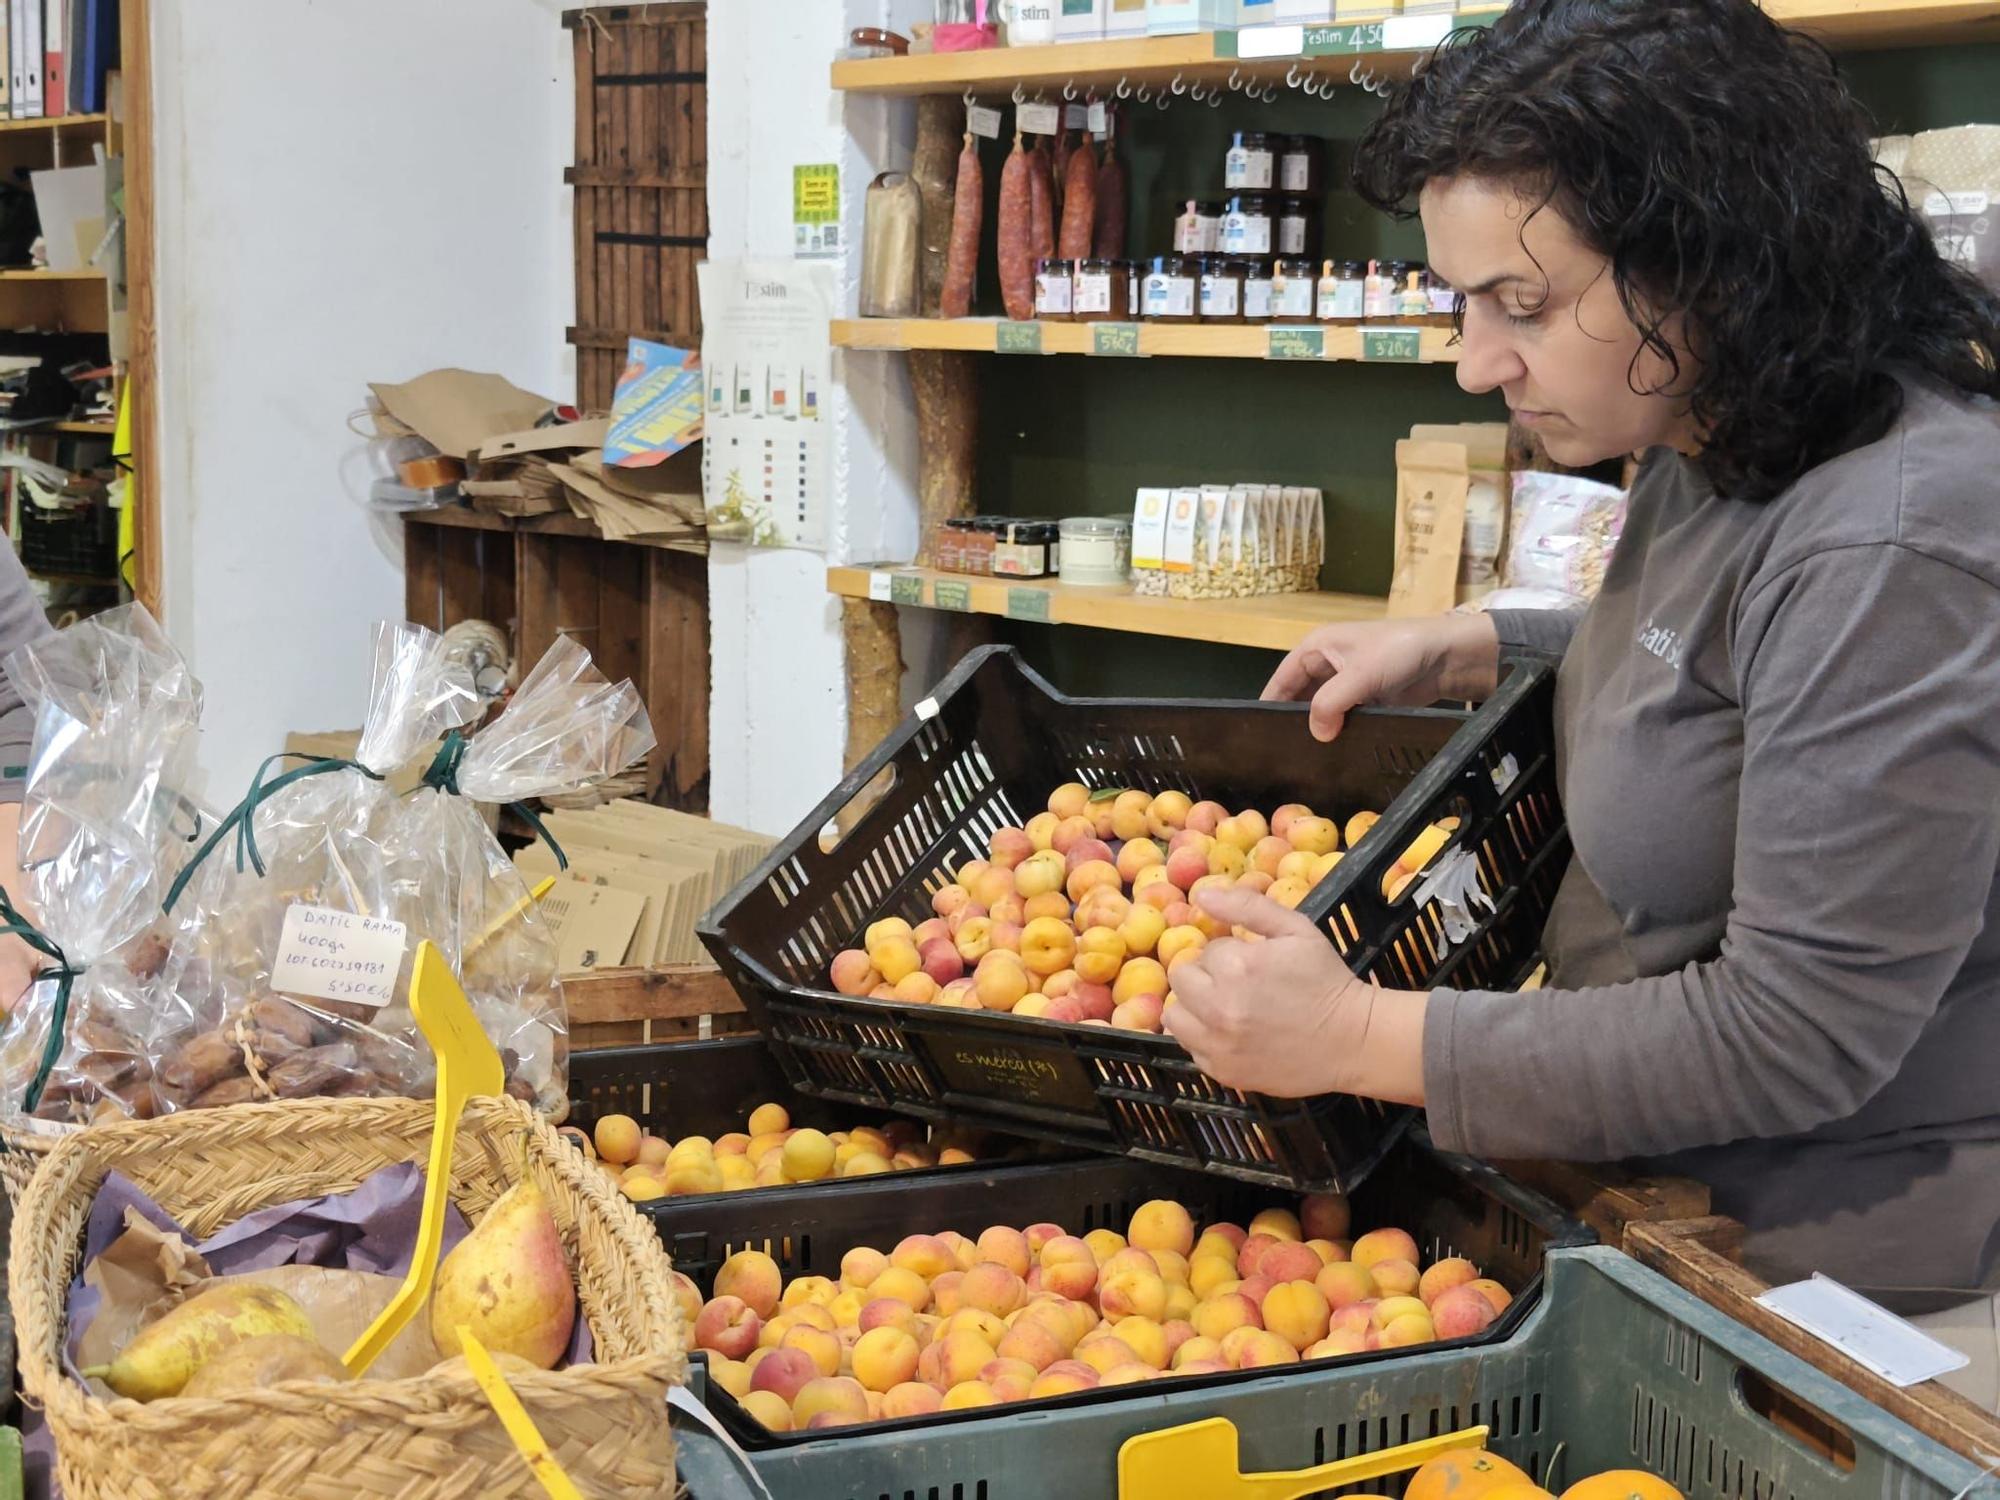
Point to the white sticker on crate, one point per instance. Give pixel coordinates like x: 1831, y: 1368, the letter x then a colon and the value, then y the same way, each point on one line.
x: 1453, y: 884
x: 335, y: 955
x: 1506, y: 773
x: 928, y: 709
x: 1900, y: 1352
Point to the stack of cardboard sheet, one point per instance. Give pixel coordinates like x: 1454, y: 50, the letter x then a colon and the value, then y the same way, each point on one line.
x: 660, y: 504
x: 639, y: 877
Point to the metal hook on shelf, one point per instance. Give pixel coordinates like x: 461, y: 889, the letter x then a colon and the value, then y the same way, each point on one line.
x: 1292, y: 76
x: 1069, y: 91
x: 970, y: 98
x: 1235, y: 80
x: 1179, y: 87
x: 1124, y: 89
x: 1354, y: 73
x: 1215, y: 98
x: 1019, y: 97
x: 1161, y: 100
x: 1197, y: 94
x: 1143, y: 94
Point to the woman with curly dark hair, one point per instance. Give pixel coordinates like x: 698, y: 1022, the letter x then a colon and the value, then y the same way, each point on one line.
x: 1775, y: 961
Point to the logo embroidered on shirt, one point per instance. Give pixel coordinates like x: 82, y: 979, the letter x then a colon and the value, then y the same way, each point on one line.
x: 1662, y: 642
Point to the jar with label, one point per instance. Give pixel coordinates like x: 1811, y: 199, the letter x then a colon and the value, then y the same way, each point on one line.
x: 1443, y: 298
x: 1028, y: 549
x: 1171, y: 290
x: 1343, y: 292
x: 1379, y: 285
x: 1102, y: 292
x: 1298, y: 228
x: 976, y: 544
x: 1198, y: 228
x: 1292, y: 292
x: 1247, y: 226
x: 1301, y: 165
x: 1221, y: 290
x: 948, y: 545
x: 1252, y: 162
x: 1096, y: 551
x: 1413, y: 303
x: 1135, y: 285
x: 1257, y: 285
x: 1054, y: 294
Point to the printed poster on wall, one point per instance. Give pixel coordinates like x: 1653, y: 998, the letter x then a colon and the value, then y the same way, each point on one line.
x: 766, y: 364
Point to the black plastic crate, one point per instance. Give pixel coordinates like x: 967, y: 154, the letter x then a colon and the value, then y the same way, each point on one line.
x: 984, y: 751
x: 76, y: 541
x: 706, y: 1088
x: 1451, y: 1204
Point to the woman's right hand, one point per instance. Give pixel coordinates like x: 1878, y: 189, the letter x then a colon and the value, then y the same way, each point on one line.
x: 1407, y: 663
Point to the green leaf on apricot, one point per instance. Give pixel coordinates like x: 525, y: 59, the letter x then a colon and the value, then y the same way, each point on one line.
x: 1108, y: 794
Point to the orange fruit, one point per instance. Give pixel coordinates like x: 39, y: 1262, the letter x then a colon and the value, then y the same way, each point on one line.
x: 1621, y: 1484
x: 1526, y: 1490
x: 1465, y: 1474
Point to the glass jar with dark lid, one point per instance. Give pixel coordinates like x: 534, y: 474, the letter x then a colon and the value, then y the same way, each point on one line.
x: 1257, y: 291
x: 1171, y: 290
x: 1292, y: 290
x: 1298, y: 228
x: 1054, y: 289
x: 1249, y: 225
x: 1252, y: 162
x: 1221, y: 290
x: 1103, y: 291
x: 1301, y: 165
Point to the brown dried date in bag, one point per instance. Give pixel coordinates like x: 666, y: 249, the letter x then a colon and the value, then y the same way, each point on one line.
x: 229, y: 1091
x: 204, y: 1062
x: 319, y: 1070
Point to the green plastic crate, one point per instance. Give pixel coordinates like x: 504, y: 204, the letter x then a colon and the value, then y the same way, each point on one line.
x: 1617, y: 1368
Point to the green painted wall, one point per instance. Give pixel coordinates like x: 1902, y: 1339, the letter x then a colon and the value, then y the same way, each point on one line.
x: 1077, y: 436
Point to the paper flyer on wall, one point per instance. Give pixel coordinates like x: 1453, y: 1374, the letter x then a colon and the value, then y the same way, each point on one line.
x: 766, y: 364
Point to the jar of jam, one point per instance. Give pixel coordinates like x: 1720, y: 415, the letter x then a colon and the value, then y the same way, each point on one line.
x: 1221, y: 290
x: 1291, y: 291
x: 948, y: 545
x: 1252, y: 162
x: 975, y: 545
x: 1298, y: 228
x: 1102, y: 292
x: 1135, y: 285
x: 1054, y: 289
x: 1257, y: 292
x: 1342, y: 292
x: 1301, y: 165
x: 1248, y: 225
x: 1443, y: 301
x: 1198, y: 229
x: 1028, y: 549
x: 1171, y: 290
x: 1413, y: 303
x: 1379, y: 288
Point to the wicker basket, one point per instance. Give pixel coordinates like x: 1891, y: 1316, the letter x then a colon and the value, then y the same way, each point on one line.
x: 420, y: 1439
x: 20, y: 1153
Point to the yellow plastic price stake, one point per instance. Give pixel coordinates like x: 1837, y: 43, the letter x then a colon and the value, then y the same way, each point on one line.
x: 1200, y: 1462
x: 528, y: 1440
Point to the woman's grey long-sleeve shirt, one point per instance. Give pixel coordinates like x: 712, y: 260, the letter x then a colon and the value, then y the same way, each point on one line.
x: 1775, y: 963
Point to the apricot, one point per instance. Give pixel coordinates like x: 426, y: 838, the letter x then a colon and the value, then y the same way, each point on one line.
x: 1009, y: 847
x: 1069, y: 800
x: 1410, y: 1328
x: 1072, y: 831
x: 1208, y: 1274
x: 617, y: 1138
x: 1000, y: 981
x: 1008, y: 1379
x: 949, y: 899
x: 1206, y: 817
x: 1286, y: 1261
x: 1100, y: 954
x: 895, y: 957
x: 910, y: 1399
x: 1090, y: 851
x: 1383, y: 1244
x: 1493, y: 1292
x: 860, y: 1266
x: 1139, y: 976
x: 993, y: 1288
x: 1131, y: 815
x: 753, y: 1276
x: 1220, y: 1315
x: 1187, y: 865
x: 1094, y: 874
x: 993, y: 886
x: 961, y: 1355
x: 1267, y: 854
x: 1048, y: 945
x: 1128, y: 1291
x: 840, y: 1396
x: 1053, y: 904
x: 1161, y: 1224
x: 1066, y: 1382
x: 1040, y: 874
x: 1396, y: 1278
x: 1358, y: 826
x: 822, y: 1346
x: 904, y: 1286
x: 770, y: 1409
x: 1069, y: 1268
x: 727, y: 1326
x: 1102, y: 907
x: 1461, y: 1311
x: 1297, y: 1312
x: 1343, y: 1284
x: 1168, y: 813
x: 1035, y: 1343
x: 1324, y: 1216
x: 885, y: 1358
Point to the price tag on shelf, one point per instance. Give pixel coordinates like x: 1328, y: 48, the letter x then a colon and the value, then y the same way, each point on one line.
x: 1098, y: 117
x: 1341, y: 41
x: 906, y: 588
x: 1037, y: 119
x: 1018, y: 338
x: 1414, y: 33
x: 983, y: 122
x: 948, y: 593
x: 1028, y: 604
x: 1283, y: 342
x: 1393, y: 346
x: 879, y: 587
x: 1076, y: 117
x: 1270, y: 41
x: 1120, y: 340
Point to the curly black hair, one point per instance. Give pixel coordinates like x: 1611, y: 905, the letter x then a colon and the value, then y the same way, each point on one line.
x: 1721, y: 165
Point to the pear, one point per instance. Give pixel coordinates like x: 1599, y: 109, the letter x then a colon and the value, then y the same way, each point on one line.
x: 263, y: 1361
x: 508, y: 1282
x: 160, y: 1361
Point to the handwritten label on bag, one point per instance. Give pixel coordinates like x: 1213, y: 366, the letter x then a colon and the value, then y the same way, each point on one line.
x: 335, y: 955
x: 983, y: 122
x: 1038, y: 119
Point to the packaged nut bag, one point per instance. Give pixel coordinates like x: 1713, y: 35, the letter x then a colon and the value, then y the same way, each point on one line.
x: 292, y: 951
x: 104, y: 826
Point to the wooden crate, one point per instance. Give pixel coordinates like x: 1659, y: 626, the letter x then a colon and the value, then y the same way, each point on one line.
x: 624, y: 1007
x: 641, y: 174
x: 640, y: 610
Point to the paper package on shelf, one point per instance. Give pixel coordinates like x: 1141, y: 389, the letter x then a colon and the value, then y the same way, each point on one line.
x: 104, y: 826
x: 1227, y: 541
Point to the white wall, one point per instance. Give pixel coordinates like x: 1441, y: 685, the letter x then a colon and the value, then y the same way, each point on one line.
x: 349, y: 190
x: 779, y: 713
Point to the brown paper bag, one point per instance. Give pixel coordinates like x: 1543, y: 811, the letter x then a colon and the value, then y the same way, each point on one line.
x: 1432, y: 480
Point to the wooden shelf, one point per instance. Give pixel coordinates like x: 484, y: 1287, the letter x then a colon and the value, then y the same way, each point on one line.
x: 1391, y: 46
x: 556, y: 523
x: 1174, y: 340
x: 57, y: 122
x: 36, y: 273
x: 1274, y: 622
x: 85, y: 429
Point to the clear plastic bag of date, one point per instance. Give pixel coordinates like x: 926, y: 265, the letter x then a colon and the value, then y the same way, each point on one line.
x: 105, y: 825
x: 297, y: 946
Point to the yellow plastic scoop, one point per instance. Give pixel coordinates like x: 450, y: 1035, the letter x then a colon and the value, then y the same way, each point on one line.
x: 514, y: 1417
x: 1199, y: 1462
x: 467, y: 1065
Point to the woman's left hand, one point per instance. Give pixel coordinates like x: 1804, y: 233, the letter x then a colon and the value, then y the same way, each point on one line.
x: 1283, y: 1015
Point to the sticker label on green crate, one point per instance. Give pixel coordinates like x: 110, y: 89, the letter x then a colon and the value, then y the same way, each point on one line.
x: 1018, y: 338
x: 906, y: 588
x: 1396, y: 346
x: 948, y: 594
x: 1120, y: 340
x: 1294, y: 343
x: 1028, y: 604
